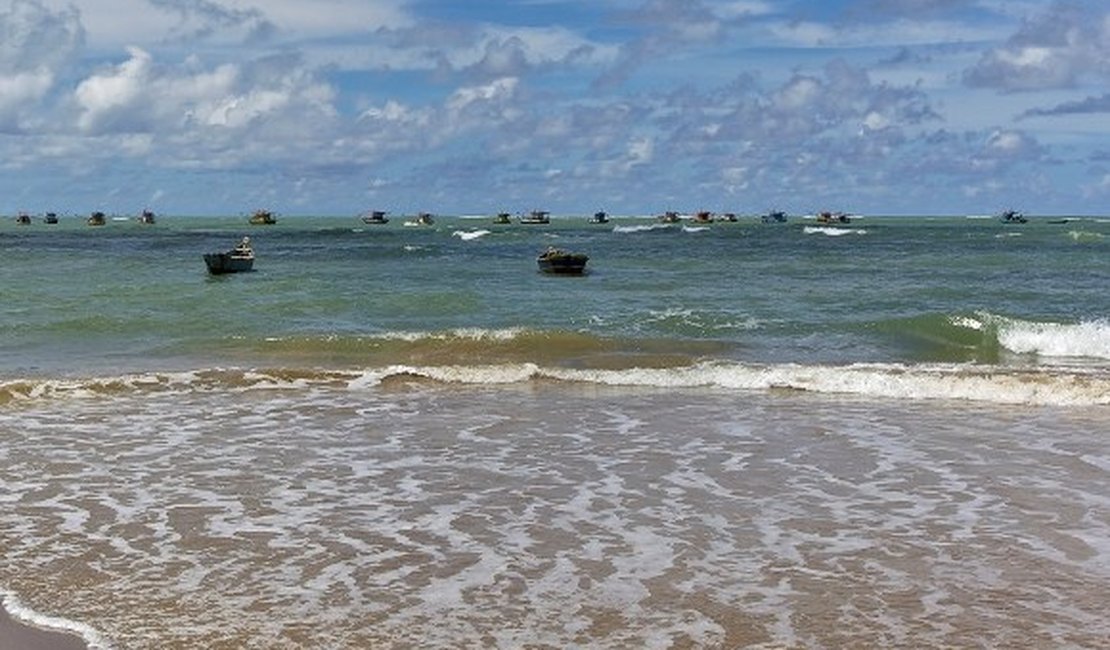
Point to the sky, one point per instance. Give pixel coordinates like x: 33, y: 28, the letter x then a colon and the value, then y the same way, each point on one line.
x: 337, y: 107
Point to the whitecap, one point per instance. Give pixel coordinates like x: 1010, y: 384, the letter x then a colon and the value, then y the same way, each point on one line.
x: 832, y: 232
x: 467, y: 235
x: 1089, y: 339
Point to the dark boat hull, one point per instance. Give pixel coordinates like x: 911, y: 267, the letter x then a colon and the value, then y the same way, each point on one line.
x: 563, y: 265
x: 221, y: 263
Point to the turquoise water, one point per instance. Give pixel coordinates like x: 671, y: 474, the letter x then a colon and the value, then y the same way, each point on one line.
x: 885, y: 434
x: 333, y: 292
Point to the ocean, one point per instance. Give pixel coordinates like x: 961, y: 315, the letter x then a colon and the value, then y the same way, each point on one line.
x: 887, y: 433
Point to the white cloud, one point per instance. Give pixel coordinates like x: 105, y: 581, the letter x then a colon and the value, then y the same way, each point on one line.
x: 496, y: 91
x: 1065, y: 46
x: 113, y: 24
x: 103, y: 97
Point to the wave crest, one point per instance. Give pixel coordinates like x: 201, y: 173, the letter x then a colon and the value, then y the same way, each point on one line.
x: 966, y: 382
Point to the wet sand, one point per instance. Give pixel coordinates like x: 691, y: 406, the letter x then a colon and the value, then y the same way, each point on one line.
x: 18, y: 636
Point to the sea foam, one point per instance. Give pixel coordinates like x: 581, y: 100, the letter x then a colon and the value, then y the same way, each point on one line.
x: 25, y: 614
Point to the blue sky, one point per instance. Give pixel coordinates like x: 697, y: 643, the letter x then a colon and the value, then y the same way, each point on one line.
x: 633, y: 106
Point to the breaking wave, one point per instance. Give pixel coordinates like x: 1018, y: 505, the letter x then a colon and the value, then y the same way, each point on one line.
x: 967, y: 382
x: 833, y: 232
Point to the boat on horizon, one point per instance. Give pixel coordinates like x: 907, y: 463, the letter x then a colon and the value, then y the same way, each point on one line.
x: 50, y: 217
x: 557, y: 261
x: 96, y: 219
x: 502, y: 218
x: 670, y: 216
x: 263, y: 218
x: 146, y: 216
x: 422, y: 219
x: 23, y: 219
x: 832, y: 217
x: 599, y: 217
x: 536, y: 217
x: 376, y: 217
x: 774, y: 216
x: 1012, y: 216
x: 237, y: 260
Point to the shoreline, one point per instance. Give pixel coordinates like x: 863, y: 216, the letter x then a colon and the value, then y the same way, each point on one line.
x: 18, y: 635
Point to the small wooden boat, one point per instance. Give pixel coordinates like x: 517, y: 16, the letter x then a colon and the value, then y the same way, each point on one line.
x: 237, y: 260
x: 51, y: 217
x: 600, y: 217
x: 146, y: 216
x: 560, y: 262
x: 727, y: 217
x: 536, y: 217
x: 263, y: 218
x: 377, y: 217
x: 502, y: 219
x: 1012, y: 216
x: 23, y: 219
x: 774, y: 216
x: 703, y: 217
x: 96, y: 219
x: 670, y: 216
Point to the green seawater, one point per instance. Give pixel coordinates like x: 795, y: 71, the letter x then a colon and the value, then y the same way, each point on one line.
x: 332, y: 292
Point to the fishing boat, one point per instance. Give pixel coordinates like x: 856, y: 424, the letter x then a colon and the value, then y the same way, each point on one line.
x: 560, y: 262
x: 376, y: 217
x: 96, y: 219
x: 502, y: 219
x: 146, y: 216
x: 237, y: 260
x: 670, y: 216
x: 536, y: 217
x: 703, y: 216
x: 727, y: 217
x: 263, y: 218
x: 599, y: 217
x: 832, y: 217
x: 51, y: 217
x: 774, y: 216
x: 23, y: 219
x: 422, y: 219
x: 1012, y: 216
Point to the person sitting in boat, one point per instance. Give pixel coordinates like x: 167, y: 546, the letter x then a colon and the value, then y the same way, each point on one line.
x: 244, y: 247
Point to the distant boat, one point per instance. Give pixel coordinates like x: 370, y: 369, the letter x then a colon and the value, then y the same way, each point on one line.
x: 502, y: 219
x: 376, y: 217
x: 669, y: 216
x: 1012, y: 216
x: 729, y: 217
x: 237, y: 260
x: 263, y: 218
x: 96, y: 219
x: 23, y: 219
x: 50, y: 217
x: 599, y: 217
x: 832, y: 217
x: 703, y: 217
x: 774, y: 216
x: 146, y: 216
x: 536, y: 217
x: 560, y: 262
x: 422, y: 219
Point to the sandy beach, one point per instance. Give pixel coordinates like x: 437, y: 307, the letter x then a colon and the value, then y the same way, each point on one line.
x: 18, y: 636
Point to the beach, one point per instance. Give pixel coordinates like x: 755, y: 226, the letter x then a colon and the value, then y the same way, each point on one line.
x: 407, y: 438
x: 15, y: 635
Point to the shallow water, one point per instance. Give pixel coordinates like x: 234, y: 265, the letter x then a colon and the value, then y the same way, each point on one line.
x: 415, y: 514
